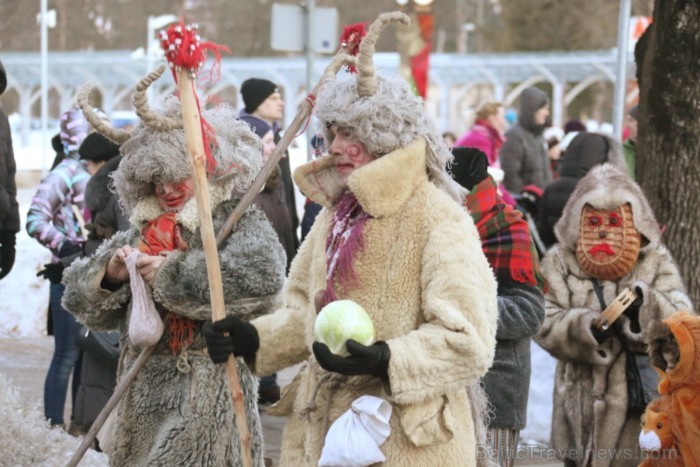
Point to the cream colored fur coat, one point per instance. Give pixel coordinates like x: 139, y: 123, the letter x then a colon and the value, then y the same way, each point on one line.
x: 431, y: 295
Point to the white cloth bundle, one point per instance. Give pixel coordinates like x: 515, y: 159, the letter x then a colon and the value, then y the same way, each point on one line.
x: 353, y: 440
x: 145, y: 325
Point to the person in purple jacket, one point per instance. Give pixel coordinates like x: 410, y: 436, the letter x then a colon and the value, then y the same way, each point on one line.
x: 54, y: 220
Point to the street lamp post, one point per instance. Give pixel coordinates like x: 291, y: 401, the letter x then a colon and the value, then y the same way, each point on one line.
x: 47, y: 19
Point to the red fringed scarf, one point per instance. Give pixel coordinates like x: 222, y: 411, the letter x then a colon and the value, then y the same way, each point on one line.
x: 344, y: 240
x: 505, y: 235
x: 159, y: 235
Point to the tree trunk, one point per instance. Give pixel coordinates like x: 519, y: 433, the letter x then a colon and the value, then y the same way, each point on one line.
x: 668, y: 154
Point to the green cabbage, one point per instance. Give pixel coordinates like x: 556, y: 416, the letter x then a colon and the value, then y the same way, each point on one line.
x: 342, y: 320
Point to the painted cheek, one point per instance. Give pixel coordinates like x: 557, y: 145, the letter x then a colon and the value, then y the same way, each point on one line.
x: 354, y: 153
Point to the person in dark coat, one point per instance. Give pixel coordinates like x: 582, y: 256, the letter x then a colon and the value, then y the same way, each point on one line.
x: 9, y: 208
x: 508, y: 246
x: 100, y: 349
x: 263, y: 101
x: 524, y: 158
x: 583, y: 153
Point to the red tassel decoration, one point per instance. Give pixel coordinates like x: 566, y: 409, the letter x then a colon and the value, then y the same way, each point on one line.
x: 350, y: 40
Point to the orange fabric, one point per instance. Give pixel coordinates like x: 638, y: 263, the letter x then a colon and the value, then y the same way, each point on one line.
x: 160, y: 235
x: 679, y: 388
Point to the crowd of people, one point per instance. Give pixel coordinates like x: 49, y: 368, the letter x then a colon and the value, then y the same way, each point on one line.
x: 462, y: 250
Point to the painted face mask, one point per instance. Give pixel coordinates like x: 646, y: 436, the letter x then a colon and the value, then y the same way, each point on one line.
x: 608, y: 243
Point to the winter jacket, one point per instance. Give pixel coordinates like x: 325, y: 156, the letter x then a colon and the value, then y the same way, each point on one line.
x: 9, y: 208
x: 524, y: 158
x: 583, y: 153
x: 179, y: 410
x: 51, y: 219
x: 273, y: 203
x: 507, y: 384
x: 590, y: 390
x: 423, y: 279
x: 484, y: 138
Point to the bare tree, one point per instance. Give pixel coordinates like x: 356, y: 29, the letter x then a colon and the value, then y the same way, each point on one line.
x: 668, y: 160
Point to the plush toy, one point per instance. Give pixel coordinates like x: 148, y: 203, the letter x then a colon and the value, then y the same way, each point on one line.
x: 673, y: 347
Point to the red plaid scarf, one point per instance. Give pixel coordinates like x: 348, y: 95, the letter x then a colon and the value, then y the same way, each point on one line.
x: 505, y: 235
x: 163, y: 234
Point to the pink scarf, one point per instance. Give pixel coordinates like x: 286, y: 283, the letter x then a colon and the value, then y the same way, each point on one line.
x: 345, y: 238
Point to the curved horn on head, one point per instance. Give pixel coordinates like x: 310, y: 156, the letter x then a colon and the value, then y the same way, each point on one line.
x: 140, y: 101
x: 336, y: 64
x: 116, y: 135
x: 367, y: 80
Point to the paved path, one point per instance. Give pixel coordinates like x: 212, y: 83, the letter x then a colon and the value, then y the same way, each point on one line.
x: 26, y: 360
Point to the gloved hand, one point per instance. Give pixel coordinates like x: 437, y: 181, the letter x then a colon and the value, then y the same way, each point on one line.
x: 363, y: 360
x: 7, y: 252
x: 632, y: 311
x: 69, y: 249
x: 242, y: 341
x: 53, y: 272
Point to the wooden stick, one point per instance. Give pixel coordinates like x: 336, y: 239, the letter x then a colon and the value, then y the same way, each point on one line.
x: 119, y: 391
x: 195, y: 147
x: 340, y: 59
x: 615, y: 309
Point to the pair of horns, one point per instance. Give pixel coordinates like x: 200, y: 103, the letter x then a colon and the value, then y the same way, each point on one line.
x: 367, y: 78
x: 140, y: 101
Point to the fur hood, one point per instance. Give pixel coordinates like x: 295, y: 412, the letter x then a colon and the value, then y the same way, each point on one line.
x: 606, y: 187
x: 97, y: 191
x: 686, y: 329
x: 390, y: 119
x: 151, y: 156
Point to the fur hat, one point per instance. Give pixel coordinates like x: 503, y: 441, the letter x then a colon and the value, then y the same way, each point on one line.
x: 97, y: 148
x: 606, y: 187
x: 154, y: 150
x: 254, y: 91
x: 382, y: 112
x: 470, y: 166
x: 259, y: 126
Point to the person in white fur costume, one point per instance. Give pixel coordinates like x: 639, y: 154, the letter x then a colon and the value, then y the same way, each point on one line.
x: 608, y: 240
x: 394, y: 238
x: 179, y: 409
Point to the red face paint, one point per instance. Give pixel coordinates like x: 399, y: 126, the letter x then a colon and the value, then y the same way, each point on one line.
x: 602, y: 248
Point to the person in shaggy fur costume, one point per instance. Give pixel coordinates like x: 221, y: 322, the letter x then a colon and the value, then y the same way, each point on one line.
x: 179, y: 409
x: 673, y: 348
x: 608, y: 240
x: 394, y: 238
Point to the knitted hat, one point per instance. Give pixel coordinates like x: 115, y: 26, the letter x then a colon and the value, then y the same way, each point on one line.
x: 74, y: 128
x: 470, y: 166
x: 254, y: 92
x: 574, y: 125
x: 259, y: 126
x: 97, y: 148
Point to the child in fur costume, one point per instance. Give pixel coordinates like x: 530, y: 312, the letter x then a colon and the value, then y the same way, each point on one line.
x: 674, y: 344
x: 179, y: 410
x: 394, y: 238
x: 608, y: 240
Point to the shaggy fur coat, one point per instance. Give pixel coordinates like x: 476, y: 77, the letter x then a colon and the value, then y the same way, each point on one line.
x: 423, y: 279
x: 179, y: 410
x: 590, y: 395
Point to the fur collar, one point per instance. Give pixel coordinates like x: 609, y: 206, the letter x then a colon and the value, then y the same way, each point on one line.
x: 147, y: 208
x: 375, y: 184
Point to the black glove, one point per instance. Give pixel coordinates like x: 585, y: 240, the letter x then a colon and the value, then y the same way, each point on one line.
x: 600, y: 335
x: 7, y: 252
x: 53, y: 272
x: 632, y: 311
x: 69, y: 249
x: 242, y: 341
x: 363, y: 360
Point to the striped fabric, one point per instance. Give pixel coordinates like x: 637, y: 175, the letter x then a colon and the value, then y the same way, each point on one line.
x: 50, y: 219
x: 503, y: 445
